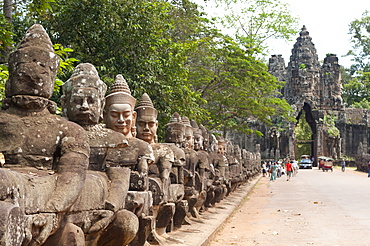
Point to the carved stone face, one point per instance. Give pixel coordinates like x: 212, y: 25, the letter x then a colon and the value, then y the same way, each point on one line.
x: 189, y: 137
x: 205, y: 143
x: 32, y: 74
x: 198, y: 141
x: 221, y: 149
x: 120, y: 118
x: 147, y: 126
x: 175, y: 136
x: 84, y: 106
x: 213, y: 145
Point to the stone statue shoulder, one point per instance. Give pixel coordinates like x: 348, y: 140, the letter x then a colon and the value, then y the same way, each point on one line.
x: 162, y: 152
x: 40, y: 139
x: 130, y: 155
x: 142, y: 148
x: 102, y: 137
x: 10, y: 136
x: 179, y: 154
x: 204, y: 159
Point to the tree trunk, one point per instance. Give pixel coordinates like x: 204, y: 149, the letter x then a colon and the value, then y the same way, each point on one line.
x: 7, y: 11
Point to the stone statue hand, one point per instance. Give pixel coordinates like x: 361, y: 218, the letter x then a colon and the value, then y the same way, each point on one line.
x: 106, y: 218
x: 47, y: 223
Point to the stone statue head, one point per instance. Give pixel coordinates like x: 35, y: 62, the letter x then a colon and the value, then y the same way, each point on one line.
x: 119, y: 114
x: 221, y: 145
x: 213, y: 144
x: 237, y: 151
x: 229, y: 147
x: 175, y: 130
x: 189, y: 133
x: 83, y: 96
x: 206, y: 136
x: 198, y: 137
x: 33, y: 66
x: 146, y: 122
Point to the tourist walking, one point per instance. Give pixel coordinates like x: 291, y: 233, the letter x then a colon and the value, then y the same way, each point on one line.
x: 288, y: 168
x: 368, y: 169
x: 343, y: 165
x: 268, y: 168
x: 273, y: 171
x: 295, y: 167
x: 278, y: 172
x: 264, y: 170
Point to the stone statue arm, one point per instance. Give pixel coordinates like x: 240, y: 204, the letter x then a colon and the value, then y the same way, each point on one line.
x: 166, y: 163
x: 145, y: 159
x: 70, y: 170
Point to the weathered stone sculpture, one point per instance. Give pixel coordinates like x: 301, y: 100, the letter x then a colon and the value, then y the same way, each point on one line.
x: 120, y: 116
x: 146, y: 126
x: 174, y: 138
x: 217, y: 160
x: 193, y: 184
x: 83, y: 103
x: 204, y: 167
x: 159, y: 172
x: 46, y: 156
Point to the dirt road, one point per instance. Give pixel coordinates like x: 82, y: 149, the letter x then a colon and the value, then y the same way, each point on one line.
x: 313, y: 208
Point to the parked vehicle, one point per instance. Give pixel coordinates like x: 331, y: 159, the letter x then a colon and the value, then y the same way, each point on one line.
x: 305, y: 162
x: 328, y: 165
x: 321, y: 161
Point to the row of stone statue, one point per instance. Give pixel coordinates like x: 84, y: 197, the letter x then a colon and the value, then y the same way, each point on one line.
x: 72, y: 180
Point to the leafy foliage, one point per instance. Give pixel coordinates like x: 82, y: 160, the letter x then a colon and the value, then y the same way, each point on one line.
x: 356, y: 91
x: 303, y: 131
x: 360, y: 31
x: 236, y: 86
x: 356, y: 81
x: 132, y: 38
x: 4, y: 74
x: 329, y: 122
x: 5, y: 33
x: 259, y: 20
x: 169, y: 50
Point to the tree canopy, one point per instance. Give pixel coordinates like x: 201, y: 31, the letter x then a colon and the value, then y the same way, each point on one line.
x: 356, y: 81
x: 256, y: 21
x: 170, y: 50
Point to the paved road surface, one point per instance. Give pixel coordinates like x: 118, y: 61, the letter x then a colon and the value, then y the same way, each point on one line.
x: 313, y: 208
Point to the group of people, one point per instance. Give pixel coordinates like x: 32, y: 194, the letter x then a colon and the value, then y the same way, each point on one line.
x: 275, y: 169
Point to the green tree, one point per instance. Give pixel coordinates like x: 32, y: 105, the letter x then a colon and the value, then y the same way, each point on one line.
x: 169, y: 50
x: 132, y: 38
x: 236, y: 86
x: 256, y: 21
x: 360, y: 38
x: 356, y: 91
x: 303, y: 132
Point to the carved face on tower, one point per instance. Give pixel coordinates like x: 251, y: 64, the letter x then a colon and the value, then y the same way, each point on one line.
x: 119, y: 114
x: 83, y: 98
x: 146, y: 123
x: 33, y: 66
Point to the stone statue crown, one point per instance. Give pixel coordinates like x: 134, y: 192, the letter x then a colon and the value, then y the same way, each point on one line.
x: 120, y: 93
x: 85, y: 75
